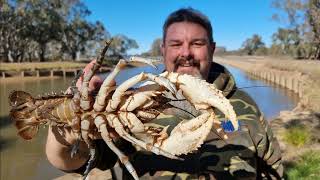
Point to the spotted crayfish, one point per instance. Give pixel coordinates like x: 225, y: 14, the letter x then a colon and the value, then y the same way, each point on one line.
x: 127, y: 110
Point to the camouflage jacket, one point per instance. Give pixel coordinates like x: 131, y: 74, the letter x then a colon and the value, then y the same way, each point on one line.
x: 250, y: 153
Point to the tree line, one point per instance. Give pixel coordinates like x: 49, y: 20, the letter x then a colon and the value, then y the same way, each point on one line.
x: 300, y: 38
x: 48, y: 30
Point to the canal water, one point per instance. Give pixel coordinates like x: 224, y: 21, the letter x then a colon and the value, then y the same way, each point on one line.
x: 20, y: 159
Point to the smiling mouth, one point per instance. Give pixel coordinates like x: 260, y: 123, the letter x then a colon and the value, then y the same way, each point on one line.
x: 190, y: 62
x: 187, y: 64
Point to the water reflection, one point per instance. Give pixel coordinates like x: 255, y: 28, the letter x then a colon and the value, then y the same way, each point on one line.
x: 20, y: 159
x: 270, y: 98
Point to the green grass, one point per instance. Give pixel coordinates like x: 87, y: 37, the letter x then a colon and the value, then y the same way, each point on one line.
x: 307, y: 167
x: 297, y: 136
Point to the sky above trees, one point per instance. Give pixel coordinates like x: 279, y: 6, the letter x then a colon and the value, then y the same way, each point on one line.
x: 233, y: 21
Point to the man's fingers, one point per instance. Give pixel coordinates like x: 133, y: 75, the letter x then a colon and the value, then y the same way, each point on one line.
x: 95, y: 81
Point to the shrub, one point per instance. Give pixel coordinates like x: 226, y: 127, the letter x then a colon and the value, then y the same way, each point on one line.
x: 297, y: 136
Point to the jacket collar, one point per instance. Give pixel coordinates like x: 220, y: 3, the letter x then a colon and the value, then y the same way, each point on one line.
x: 222, y: 79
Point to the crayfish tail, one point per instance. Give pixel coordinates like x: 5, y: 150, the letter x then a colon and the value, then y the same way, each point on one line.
x: 25, y: 130
x: 21, y: 114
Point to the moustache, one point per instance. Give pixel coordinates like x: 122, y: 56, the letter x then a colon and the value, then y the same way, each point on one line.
x: 186, y: 62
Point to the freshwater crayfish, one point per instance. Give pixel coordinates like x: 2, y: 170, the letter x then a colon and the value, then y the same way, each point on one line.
x: 127, y: 111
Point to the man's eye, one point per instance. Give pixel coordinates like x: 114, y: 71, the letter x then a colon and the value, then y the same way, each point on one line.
x: 175, y: 45
x: 198, y: 43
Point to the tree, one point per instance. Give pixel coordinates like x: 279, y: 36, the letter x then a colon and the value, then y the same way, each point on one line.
x: 78, y: 33
x: 45, y: 23
x: 13, y: 34
x: 120, y: 45
x: 156, y: 47
x: 251, y: 45
x: 313, y: 19
x: 303, y: 17
x: 286, y: 39
x: 293, y: 12
x: 45, y: 29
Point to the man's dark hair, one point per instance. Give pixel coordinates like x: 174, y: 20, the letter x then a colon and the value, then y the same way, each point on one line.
x: 188, y: 15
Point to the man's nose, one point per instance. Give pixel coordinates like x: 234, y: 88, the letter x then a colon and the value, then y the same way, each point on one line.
x: 185, y: 51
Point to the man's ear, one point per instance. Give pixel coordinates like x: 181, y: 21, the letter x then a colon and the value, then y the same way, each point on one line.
x: 213, y: 47
x: 162, y: 48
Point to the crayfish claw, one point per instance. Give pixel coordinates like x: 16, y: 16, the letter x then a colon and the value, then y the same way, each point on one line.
x: 141, y: 61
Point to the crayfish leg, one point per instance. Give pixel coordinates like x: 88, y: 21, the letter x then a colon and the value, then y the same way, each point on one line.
x: 85, y: 101
x: 85, y: 125
x: 74, y: 89
x: 91, y: 160
x: 102, y: 127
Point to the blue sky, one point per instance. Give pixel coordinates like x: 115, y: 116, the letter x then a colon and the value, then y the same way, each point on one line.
x: 233, y: 21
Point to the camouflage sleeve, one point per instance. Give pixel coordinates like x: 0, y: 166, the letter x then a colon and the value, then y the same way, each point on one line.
x: 268, y: 152
x: 270, y: 162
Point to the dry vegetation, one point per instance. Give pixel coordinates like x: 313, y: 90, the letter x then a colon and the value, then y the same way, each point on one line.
x: 311, y: 68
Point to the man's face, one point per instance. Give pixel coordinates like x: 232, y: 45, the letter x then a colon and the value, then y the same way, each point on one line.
x: 187, y: 49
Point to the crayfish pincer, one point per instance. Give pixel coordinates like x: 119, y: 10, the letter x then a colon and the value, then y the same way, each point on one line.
x: 127, y: 110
